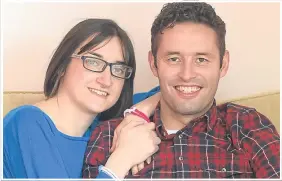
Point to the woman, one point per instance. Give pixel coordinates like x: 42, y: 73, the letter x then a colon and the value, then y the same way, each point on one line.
x: 91, y: 72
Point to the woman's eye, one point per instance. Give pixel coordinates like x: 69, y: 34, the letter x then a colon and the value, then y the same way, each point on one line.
x: 119, y: 71
x: 93, y: 62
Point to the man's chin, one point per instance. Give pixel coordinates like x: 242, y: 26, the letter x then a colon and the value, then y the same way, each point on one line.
x: 187, y: 109
x: 195, y: 107
x: 192, y: 106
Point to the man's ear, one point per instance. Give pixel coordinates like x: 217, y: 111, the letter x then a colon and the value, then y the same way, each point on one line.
x: 225, y: 64
x: 152, y: 63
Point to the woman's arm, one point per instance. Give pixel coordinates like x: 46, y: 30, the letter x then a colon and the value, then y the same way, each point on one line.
x: 106, y: 173
x: 146, y: 103
x: 138, y: 97
x: 135, y: 144
x: 28, y: 148
x: 146, y: 106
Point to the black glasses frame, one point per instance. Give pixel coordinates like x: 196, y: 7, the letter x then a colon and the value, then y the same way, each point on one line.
x: 83, y: 58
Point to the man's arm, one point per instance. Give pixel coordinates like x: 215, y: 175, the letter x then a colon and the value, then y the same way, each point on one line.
x: 260, y: 138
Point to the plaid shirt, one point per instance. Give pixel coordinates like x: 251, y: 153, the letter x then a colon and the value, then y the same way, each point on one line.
x: 229, y: 141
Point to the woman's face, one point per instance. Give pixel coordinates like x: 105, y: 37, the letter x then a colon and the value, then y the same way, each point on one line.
x: 94, y: 92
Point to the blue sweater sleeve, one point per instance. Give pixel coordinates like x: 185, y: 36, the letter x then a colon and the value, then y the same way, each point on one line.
x: 102, y: 175
x: 29, y: 150
x: 138, y: 97
x: 28, y: 147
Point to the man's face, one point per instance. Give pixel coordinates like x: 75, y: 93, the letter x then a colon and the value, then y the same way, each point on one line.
x: 188, y: 67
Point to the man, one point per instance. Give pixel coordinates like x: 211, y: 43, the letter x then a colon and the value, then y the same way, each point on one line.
x: 199, y: 138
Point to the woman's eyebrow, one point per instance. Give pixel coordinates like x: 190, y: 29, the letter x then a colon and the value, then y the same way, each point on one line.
x: 101, y: 56
x: 96, y: 54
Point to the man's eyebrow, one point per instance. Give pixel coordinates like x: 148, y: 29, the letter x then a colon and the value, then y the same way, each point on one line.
x: 101, y: 56
x: 196, y: 54
x: 172, y: 53
x: 207, y: 54
x: 204, y: 53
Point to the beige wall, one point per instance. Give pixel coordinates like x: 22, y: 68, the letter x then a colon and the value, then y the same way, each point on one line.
x: 31, y: 32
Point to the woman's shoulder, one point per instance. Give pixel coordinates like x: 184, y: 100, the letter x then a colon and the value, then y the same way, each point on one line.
x: 24, y: 116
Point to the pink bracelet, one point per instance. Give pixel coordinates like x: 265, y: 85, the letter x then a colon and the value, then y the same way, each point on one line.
x: 137, y: 112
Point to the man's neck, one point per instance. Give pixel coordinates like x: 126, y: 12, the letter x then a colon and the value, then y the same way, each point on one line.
x: 173, y: 120
x: 66, y: 115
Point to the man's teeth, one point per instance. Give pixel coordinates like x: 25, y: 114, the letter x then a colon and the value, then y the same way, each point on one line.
x: 187, y: 90
x: 101, y: 93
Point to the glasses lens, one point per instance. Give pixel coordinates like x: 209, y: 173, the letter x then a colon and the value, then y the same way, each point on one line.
x: 94, y: 64
x: 121, y: 71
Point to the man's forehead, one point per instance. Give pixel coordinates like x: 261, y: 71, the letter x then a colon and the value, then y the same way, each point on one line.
x: 188, y: 49
x: 188, y: 30
x: 185, y: 40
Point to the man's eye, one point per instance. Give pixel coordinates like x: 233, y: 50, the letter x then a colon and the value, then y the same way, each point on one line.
x: 201, y: 60
x: 174, y: 59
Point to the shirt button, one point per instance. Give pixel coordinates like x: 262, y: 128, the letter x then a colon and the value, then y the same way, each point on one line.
x: 180, y: 158
x: 180, y: 136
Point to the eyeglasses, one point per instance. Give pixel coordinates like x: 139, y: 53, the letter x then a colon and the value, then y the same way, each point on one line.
x: 95, y: 64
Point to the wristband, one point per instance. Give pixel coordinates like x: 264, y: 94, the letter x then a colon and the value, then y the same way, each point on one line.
x: 138, y: 113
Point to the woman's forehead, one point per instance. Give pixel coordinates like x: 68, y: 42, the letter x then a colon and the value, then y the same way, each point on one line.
x: 110, y: 50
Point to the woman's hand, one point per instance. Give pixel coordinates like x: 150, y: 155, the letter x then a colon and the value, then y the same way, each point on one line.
x: 130, y: 117
x: 146, y: 106
x: 137, y: 141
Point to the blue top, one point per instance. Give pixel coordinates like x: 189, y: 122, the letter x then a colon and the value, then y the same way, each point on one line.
x: 35, y: 148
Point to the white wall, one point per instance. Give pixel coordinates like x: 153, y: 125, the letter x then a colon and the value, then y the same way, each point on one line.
x: 32, y: 31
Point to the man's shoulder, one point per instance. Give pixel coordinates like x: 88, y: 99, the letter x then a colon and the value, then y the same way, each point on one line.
x: 229, y: 108
x: 230, y: 111
x: 111, y: 124
x: 243, y: 117
x: 104, y: 132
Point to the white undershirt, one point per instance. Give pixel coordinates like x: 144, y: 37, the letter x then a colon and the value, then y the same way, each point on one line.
x: 171, y: 131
